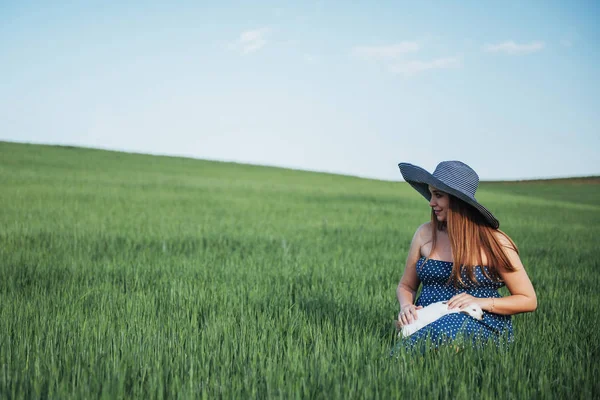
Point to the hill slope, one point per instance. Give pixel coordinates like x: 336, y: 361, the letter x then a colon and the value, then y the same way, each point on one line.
x: 125, y: 275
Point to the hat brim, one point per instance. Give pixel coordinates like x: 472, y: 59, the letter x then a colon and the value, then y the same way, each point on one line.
x: 420, y: 179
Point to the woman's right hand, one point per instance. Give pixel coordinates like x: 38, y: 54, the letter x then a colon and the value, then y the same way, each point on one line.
x: 408, y: 314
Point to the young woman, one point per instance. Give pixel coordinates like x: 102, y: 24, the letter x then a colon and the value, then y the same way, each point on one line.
x: 460, y: 256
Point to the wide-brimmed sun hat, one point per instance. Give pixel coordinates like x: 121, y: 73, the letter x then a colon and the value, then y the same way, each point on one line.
x: 453, y: 177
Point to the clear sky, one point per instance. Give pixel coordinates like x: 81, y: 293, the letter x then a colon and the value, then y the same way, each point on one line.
x: 354, y: 87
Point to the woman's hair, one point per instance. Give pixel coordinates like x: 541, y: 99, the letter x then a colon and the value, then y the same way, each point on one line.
x: 470, y: 235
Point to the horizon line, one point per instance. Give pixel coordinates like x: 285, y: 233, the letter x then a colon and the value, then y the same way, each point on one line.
x: 172, y: 155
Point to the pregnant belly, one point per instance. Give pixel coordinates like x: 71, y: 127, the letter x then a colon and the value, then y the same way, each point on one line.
x: 434, y: 293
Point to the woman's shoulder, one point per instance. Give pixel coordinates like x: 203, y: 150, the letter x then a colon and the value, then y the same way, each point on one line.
x: 420, y: 238
x: 424, y: 232
x: 504, y: 240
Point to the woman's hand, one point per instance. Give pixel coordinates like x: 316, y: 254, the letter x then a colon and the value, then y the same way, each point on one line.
x: 463, y: 299
x: 408, y: 314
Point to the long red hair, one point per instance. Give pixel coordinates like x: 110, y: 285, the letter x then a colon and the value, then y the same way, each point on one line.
x: 471, y: 235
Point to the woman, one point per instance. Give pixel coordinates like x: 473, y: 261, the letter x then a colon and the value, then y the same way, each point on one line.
x: 461, y: 257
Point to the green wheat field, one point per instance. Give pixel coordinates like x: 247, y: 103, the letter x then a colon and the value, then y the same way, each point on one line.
x: 137, y: 276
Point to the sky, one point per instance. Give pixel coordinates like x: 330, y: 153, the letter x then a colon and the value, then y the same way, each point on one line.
x: 510, y: 88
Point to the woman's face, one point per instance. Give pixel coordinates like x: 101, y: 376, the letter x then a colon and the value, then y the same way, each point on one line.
x: 440, y: 202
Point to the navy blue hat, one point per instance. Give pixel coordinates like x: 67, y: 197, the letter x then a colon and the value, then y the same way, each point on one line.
x: 453, y: 177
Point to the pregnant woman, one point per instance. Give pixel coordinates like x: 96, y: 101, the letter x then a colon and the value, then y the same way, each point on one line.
x: 460, y: 256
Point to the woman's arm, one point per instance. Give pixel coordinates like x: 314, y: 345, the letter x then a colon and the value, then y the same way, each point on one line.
x: 522, y: 294
x: 409, y: 283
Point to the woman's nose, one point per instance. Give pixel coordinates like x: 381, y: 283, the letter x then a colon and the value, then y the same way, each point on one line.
x: 432, y: 202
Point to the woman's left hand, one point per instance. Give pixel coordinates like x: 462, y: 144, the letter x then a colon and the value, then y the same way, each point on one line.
x: 463, y: 299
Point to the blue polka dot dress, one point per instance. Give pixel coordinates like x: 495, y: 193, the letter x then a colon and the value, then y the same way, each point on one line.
x: 434, y: 275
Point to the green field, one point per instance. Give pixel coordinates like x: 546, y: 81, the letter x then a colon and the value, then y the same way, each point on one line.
x: 136, y: 276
